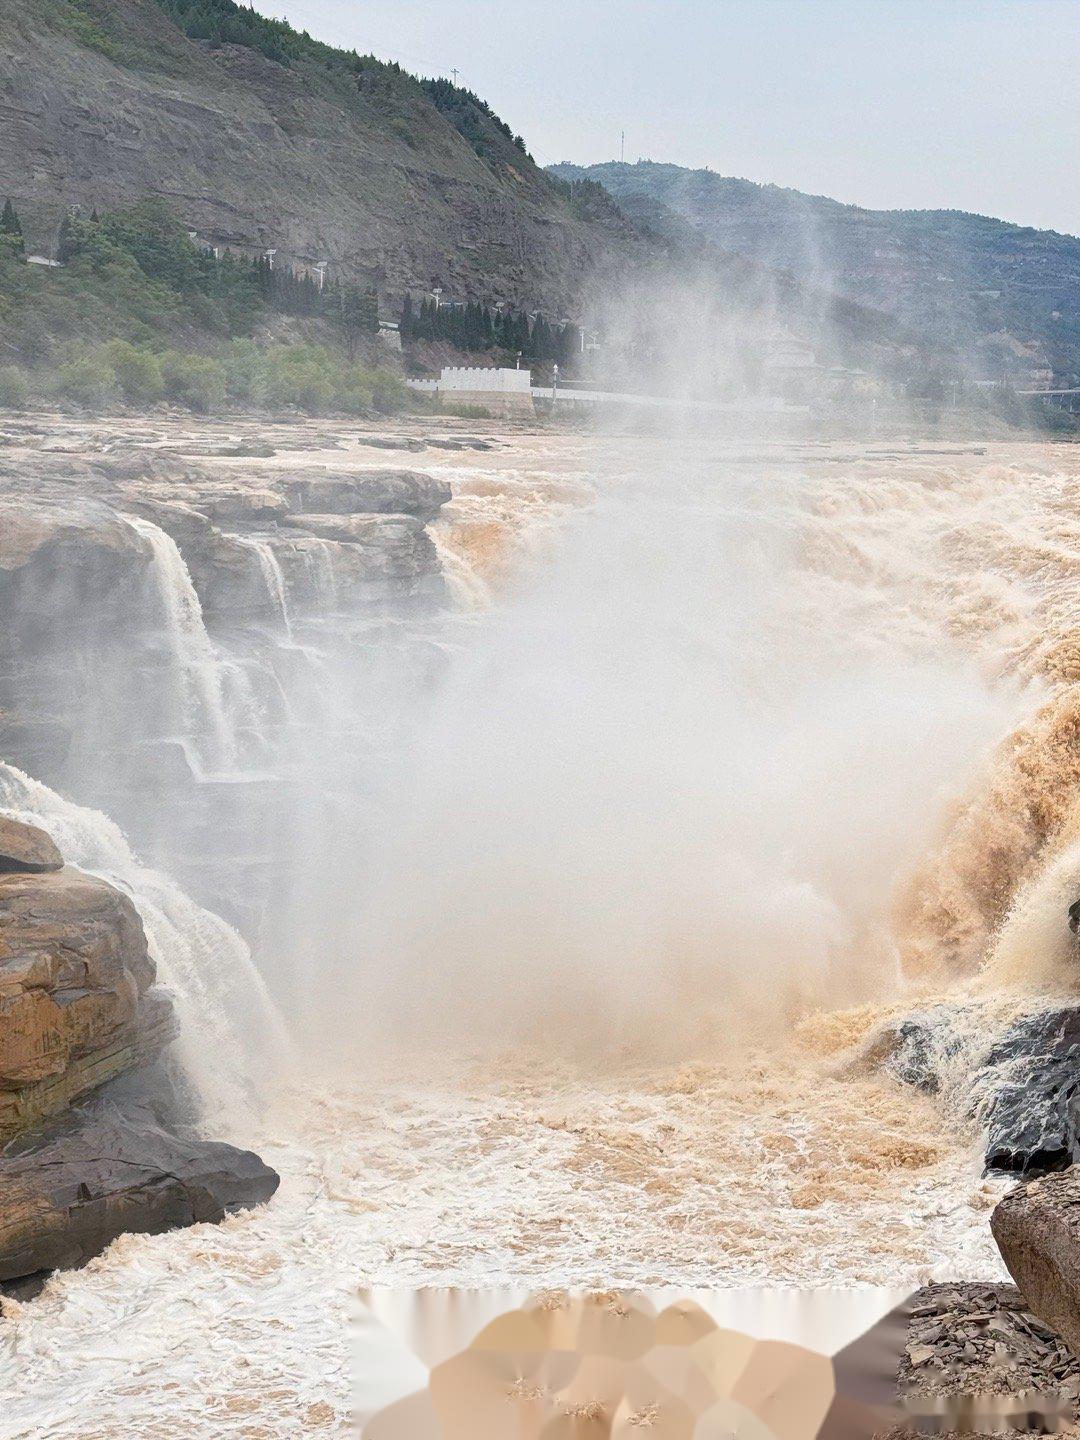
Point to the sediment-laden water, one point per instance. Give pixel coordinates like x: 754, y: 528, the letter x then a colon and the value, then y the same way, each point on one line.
x: 719, y: 757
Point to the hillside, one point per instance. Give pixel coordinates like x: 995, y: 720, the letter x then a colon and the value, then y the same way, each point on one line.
x: 1006, y: 296
x: 256, y: 139
x: 320, y: 154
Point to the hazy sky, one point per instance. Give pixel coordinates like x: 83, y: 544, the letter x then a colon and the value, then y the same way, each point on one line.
x: 967, y: 104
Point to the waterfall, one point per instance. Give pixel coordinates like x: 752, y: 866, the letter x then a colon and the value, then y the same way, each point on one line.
x: 319, y: 558
x: 224, y: 1010
x: 468, y: 590
x: 200, y: 676
x: 272, y: 575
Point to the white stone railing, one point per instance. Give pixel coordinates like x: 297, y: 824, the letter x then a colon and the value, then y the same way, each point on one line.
x: 485, y: 379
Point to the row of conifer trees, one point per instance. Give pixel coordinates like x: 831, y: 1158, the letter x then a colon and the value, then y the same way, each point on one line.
x: 475, y: 326
x: 161, y: 248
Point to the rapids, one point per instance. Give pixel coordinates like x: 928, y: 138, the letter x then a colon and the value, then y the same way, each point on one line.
x: 722, y: 758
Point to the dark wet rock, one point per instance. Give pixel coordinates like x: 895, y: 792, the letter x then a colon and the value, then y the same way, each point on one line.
x: 1037, y: 1229
x: 918, y: 1047
x: 26, y: 848
x: 110, y: 1168
x: 393, y: 442
x: 372, y: 492
x: 1032, y: 1110
x: 1024, y: 1088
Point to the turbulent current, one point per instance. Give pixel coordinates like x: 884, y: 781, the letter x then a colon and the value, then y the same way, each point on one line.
x: 718, y: 759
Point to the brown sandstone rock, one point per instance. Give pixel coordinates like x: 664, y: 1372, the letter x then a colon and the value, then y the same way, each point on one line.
x: 32, y: 529
x: 77, y: 1003
x: 26, y: 848
x: 1037, y: 1229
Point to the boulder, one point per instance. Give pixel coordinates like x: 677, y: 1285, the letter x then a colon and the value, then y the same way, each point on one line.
x: 1024, y: 1088
x: 1037, y: 1229
x: 109, y: 1168
x: 77, y: 1000
x: 27, y: 849
x: 373, y: 492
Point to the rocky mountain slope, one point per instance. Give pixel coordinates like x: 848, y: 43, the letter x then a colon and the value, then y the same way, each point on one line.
x: 103, y: 102
x: 1006, y: 295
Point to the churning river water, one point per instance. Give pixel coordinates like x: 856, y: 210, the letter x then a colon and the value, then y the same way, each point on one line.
x: 731, y: 753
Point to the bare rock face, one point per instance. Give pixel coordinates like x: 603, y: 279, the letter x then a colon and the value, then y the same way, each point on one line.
x: 26, y: 849
x: 1037, y: 1229
x: 29, y: 527
x: 364, y: 172
x: 77, y: 1000
x: 110, y: 1168
x: 1025, y: 1086
x: 377, y: 554
x: 70, y: 573
x: 373, y: 492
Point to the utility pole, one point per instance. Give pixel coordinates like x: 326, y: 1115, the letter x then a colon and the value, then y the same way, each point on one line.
x: 622, y: 147
x: 454, y: 73
x: 320, y: 270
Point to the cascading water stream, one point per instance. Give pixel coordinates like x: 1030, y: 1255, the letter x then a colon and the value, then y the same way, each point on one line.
x: 226, y: 1016
x: 273, y: 576
x: 319, y: 556
x: 209, y: 697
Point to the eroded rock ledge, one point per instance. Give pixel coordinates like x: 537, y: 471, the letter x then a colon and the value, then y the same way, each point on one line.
x: 78, y: 1003
x: 106, y: 1169
x: 79, y: 1008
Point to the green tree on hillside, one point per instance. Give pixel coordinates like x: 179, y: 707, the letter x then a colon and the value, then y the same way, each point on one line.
x: 358, y: 315
x: 11, y: 226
